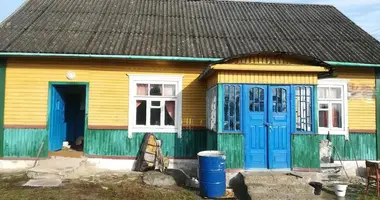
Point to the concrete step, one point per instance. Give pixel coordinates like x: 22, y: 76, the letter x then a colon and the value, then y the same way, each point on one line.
x: 284, y: 196
x: 274, y: 178
x: 280, y: 188
x: 56, y: 167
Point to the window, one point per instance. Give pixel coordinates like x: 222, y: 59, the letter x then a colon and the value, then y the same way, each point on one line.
x: 279, y: 100
x: 231, y: 116
x: 332, y: 106
x: 155, y: 103
x: 256, y: 99
x: 303, y: 106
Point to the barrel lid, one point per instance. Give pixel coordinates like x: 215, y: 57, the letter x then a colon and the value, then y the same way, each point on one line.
x: 212, y: 154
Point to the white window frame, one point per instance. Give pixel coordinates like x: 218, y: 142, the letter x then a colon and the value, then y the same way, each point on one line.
x: 331, y: 82
x: 135, y: 79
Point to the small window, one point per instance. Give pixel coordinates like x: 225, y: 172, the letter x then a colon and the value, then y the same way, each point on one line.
x: 303, y: 105
x: 332, y: 106
x: 232, y: 108
x: 155, y: 103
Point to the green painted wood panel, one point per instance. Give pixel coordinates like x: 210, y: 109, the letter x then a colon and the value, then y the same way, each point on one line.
x: 212, y: 140
x: 361, y: 146
x: 25, y: 142
x: 3, y: 63
x: 117, y: 143
x: 305, y: 148
x: 233, y: 145
x: 305, y: 151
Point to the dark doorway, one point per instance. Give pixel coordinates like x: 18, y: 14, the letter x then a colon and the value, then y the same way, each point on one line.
x: 67, y: 116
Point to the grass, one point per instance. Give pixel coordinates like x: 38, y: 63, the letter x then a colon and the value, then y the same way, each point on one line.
x: 92, y: 189
x: 355, y: 191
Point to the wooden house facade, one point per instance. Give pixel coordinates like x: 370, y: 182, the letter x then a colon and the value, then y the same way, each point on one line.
x: 200, y: 75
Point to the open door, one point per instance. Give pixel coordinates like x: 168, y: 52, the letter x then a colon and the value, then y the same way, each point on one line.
x: 57, y: 124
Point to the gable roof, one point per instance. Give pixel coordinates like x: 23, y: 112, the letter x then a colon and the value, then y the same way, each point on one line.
x: 185, y: 28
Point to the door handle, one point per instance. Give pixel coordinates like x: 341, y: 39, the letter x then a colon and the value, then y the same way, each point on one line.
x: 269, y: 125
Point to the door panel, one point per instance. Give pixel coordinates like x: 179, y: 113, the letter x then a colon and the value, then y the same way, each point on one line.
x: 279, y: 127
x: 255, y: 132
x: 57, y: 126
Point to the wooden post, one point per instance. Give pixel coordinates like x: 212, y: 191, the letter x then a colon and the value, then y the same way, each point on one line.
x: 377, y: 96
x: 39, y: 152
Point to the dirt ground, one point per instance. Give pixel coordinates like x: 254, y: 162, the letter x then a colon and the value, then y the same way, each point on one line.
x: 92, y: 188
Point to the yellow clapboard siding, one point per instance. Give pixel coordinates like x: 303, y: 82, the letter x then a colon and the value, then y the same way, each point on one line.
x: 27, y: 80
x: 272, y: 68
x: 361, y: 102
x: 266, y: 77
x: 266, y: 60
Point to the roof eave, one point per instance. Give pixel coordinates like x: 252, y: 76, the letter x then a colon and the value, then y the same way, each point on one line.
x: 136, y: 57
x: 351, y: 64
x: 167, y: 58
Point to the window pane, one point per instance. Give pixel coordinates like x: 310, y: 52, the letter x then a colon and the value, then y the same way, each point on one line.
x: 261, y: 93
x: 156, y: 103
x: 279, y: 100
x: 169, y: 113
x: 303, y: 109
x: 169, y: 90
x: 140, y: 112
x: 251, y: 100
x: 155, y: 90
x: 232, y: 108
x: 322, y: 92
x: 155, y: 116
x: 142, y: 89
x: 335, y: 93
x: 226, y: 110
x: 237, y: 102
x: 323, y: 106
x: 324, y: 119
x: 256, y: 100
x: 337, y: 115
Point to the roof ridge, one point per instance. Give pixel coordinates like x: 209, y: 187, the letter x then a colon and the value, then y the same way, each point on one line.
x: 261, y: 2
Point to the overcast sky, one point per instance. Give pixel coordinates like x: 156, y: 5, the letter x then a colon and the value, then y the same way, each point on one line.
x: 365, y: 13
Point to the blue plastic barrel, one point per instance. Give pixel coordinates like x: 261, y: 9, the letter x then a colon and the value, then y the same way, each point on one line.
x: 212, y: 173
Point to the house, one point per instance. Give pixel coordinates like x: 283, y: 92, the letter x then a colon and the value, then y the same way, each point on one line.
x: 263, y: 82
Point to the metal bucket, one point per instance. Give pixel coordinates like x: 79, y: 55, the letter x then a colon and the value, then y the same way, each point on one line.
x: 212, y: 173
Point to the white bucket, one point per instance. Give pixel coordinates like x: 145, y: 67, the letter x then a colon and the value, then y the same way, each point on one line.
x: 340, y: 189
x: 65, y: 144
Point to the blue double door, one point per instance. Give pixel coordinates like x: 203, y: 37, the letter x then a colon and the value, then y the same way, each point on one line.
x: 266, y: 126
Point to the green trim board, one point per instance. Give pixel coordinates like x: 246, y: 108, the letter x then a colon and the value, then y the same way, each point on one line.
x: 315, y: 109
x: 24, y: 143
x: 305, y: 151
x: 377, y: 97
x: 51, y: 84
x: 117, y: 143
x: 361, y: 146
x: 305, y: 148
x: 220, y: 108
x: 3, y: 63
x: 351, y: 64
x: 233, y: 145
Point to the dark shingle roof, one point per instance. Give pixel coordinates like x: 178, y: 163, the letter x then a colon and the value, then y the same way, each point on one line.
x: 204, y: 28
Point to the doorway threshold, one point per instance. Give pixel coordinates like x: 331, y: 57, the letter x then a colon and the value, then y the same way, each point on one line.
x: 69, y: 154
x: 268, y: 170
